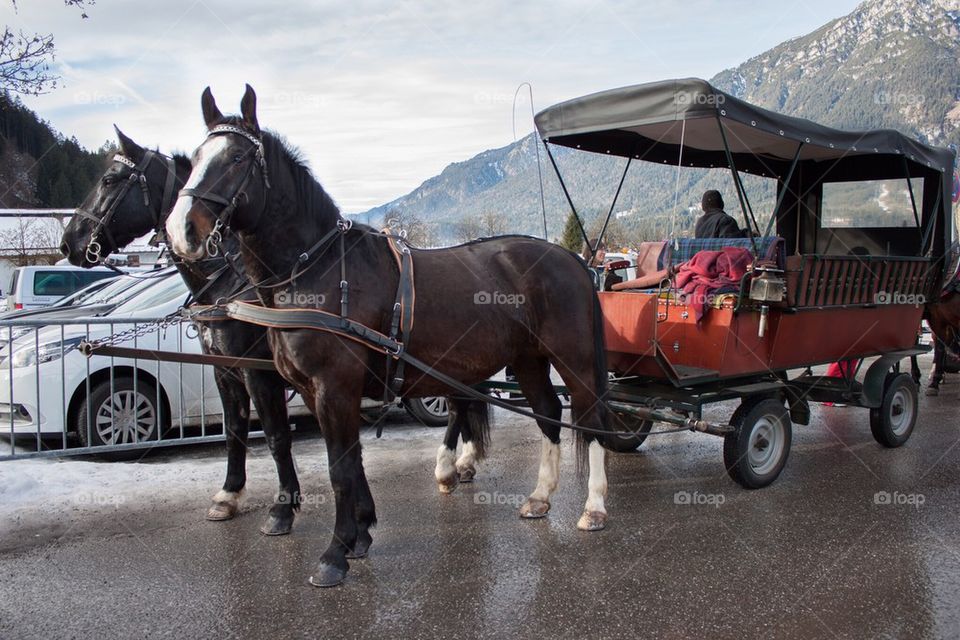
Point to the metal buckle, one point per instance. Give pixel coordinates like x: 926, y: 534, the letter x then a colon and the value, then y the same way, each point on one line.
x: 93, y: 251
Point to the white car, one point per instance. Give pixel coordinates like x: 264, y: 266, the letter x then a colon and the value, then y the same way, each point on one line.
x: 58, y: 392
x: 48, y: 387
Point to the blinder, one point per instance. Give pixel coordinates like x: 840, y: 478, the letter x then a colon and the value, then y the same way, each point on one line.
x: 137, y: 176
x: 212, y: 243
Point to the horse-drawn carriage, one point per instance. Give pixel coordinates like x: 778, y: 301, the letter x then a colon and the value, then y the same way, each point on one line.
x: 337, y: 300
x: 858, y: 241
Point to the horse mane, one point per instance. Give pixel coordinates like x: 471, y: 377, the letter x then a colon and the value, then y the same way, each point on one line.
x: 281, y: 155
x: 182, y: 161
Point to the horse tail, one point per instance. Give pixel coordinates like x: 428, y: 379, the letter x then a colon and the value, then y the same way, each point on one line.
x: 477, y: 423
x: 581, y: 438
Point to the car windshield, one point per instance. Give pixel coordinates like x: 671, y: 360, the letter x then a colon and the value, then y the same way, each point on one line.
x: 158, y: 291
x: 122, y: 289
x: 85, y: 294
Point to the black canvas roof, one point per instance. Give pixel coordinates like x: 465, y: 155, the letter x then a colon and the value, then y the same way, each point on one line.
x: 650, y: 121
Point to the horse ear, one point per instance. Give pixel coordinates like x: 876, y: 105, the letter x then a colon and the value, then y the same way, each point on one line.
x: 211, y: 114
x: 128, y: 147
x: 248, y: 108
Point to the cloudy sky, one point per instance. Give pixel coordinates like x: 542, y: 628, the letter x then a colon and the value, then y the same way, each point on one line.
x: 380, y: 95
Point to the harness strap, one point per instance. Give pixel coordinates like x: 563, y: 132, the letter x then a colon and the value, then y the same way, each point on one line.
x: 318, y: 320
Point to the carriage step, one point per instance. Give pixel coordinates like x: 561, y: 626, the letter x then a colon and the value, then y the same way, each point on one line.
x: 693, y: 375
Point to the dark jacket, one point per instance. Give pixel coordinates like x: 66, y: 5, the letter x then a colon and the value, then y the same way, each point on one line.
x: 717, y: 224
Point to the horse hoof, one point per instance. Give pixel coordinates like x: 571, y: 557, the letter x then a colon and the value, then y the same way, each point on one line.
x: 533, y: 509
x: 592, y: 521
x: 933, y: 391
x: 360, y: 550
x: 328, y: 575
x: 447, y: 485
x: 275, y: 526
x: 467, y: 474
x: 222, y: 511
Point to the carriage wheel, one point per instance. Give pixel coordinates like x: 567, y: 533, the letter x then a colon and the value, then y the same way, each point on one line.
x: 630, y: 433
x: 893, y: 421
x: 756, y: 452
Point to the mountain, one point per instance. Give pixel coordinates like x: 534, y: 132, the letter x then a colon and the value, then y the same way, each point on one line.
x: 39, y: 166
x: 886, y: 64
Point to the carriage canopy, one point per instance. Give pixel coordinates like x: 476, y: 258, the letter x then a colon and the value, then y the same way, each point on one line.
x: 650, y: 121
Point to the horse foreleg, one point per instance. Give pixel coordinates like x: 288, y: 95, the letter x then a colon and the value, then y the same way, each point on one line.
x: 268, y: 392
x: 366, y: 516
x: 339, y: 417
x: 236, y: 426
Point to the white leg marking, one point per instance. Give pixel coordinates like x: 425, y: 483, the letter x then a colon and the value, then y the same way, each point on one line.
x: 177, y: 220
x: 229, y: 497
x: 549, y: 475
x: 597, y: 484
x: 468, y: 457
x: 446, y: 472
x: 594, y: 515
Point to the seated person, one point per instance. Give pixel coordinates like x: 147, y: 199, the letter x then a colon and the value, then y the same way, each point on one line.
x: 715, y: 223
x: 597, y: 265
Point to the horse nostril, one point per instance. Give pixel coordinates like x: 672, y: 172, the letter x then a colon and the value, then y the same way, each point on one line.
x: 189, y: 228
x: 65, y: 248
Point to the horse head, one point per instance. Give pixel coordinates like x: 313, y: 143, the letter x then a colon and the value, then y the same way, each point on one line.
x: 228, y: 184
x: 129, y: 200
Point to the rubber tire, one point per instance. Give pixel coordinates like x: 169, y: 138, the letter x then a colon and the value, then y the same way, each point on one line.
x: 880, y: 426
x: 631, y: 432
x: 414, y: 407
x: 737, y: 444
x: 99, y: 394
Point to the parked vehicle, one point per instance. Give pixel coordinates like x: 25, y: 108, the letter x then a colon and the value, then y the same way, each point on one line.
x: 58, y: 393
x: 40, y: 286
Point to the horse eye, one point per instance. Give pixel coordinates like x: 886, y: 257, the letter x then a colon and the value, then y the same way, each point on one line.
x: 237, y: 159
x: 108, y: 180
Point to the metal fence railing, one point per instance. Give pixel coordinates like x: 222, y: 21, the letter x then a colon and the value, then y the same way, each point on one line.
x: 55, y: 401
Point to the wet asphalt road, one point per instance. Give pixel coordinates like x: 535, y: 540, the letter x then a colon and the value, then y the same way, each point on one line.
x: 812, y: 556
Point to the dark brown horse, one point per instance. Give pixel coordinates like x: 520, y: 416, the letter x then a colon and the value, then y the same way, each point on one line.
x: 943, y: 316
x: 505, y: 301
x: 116, y: 213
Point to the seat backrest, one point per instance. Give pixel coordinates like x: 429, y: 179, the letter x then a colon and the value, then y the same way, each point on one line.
x: 683, y: 249
x: 648, y: 257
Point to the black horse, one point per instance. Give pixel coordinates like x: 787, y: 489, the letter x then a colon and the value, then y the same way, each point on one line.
x: 133, y: 197
x: 480, y: 306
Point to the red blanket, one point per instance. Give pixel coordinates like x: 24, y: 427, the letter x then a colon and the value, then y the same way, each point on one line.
x: 708, y: 272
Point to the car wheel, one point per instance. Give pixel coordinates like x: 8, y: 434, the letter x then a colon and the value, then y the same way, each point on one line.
x: 118, y: 415
x: 431, y: 411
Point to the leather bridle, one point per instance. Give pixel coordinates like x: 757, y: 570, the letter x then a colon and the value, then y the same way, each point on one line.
x: 212, y: 243
x: 167, y: 198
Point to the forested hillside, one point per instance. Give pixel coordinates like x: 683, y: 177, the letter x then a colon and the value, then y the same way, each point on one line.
x: 40, y: 167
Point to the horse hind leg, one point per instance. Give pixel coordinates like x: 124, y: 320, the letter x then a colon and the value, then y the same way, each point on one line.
x: 475, y: 432
x: 446, y: 470
x: 236, y: 425
x: 587, y: 410
x: 534, y: 379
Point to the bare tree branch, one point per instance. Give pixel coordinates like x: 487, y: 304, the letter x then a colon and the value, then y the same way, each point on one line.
x: 25, y: 59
